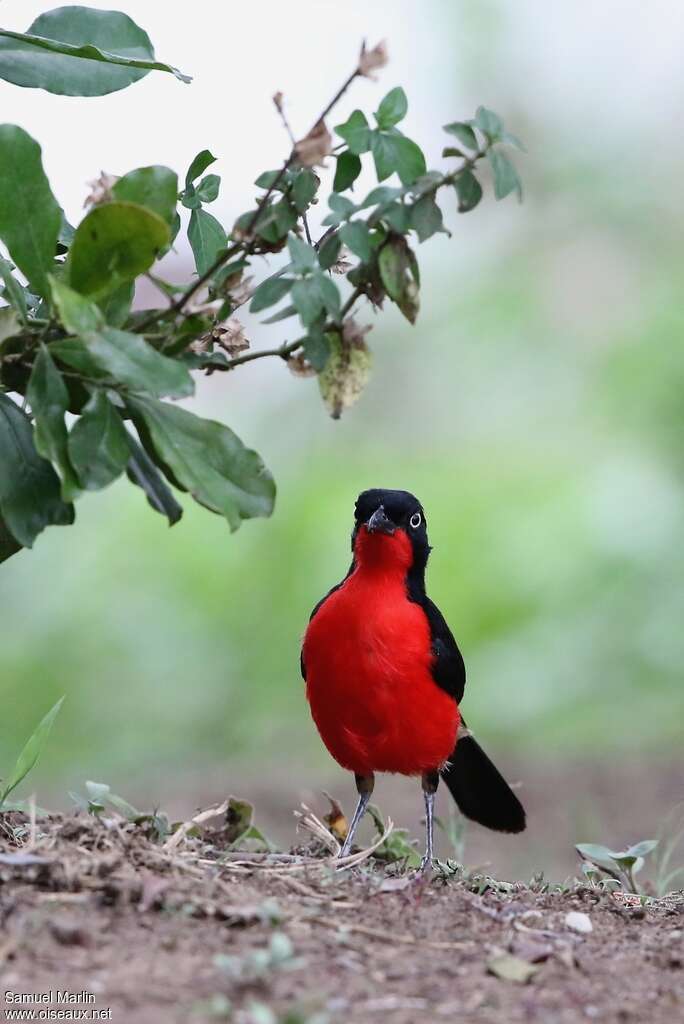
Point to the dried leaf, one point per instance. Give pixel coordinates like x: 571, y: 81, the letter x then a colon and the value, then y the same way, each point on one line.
x: 373, y: 60
x: 354, y: 333
x: 511, y: 968
x: 342, y: 264
x: 335, y: 819
x: 101, y: 189
x: 241, y: 291
x: 230, y: 335
x: 299, y: 366
x: 314, y: 147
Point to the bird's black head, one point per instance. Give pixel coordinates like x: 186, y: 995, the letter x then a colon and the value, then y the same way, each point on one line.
x: 390, y: 527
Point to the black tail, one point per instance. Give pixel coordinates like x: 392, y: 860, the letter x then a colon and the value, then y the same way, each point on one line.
x: 480, y: 790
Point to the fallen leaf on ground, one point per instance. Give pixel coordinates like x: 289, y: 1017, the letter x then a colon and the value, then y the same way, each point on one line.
x: 511, y: 968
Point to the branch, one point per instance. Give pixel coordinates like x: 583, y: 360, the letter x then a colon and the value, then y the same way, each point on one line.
x: 283, y: 351
x: 177, y: 305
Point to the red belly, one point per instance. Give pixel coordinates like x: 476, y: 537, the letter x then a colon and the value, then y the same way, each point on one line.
x: 368, y: 656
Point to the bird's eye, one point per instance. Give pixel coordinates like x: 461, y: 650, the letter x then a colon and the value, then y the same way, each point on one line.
x: 415, y: 520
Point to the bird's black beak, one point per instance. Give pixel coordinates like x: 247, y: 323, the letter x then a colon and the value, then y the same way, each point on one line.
x: 380, y: 523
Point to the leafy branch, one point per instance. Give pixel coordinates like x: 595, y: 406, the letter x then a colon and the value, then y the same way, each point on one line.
x: 85, y: 379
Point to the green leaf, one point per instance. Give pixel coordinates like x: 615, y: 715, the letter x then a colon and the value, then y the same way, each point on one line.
x: 98, y: 444
x: 115, y: 243
x: 356, y: 133
x: 392, y: 152
x: 329, y: 251
x: 356, y: 237
x: 380, y: 196
x: 506, y: 178
x: 8, y: 545
x: 426, y: 217
x: 643, y: 848
x: 283, y: 314
x: 345, y: 375
x: 398, y: 272
x: 267, y: 179
x: 203, y: 160
x: 302, y: 254
x: 124, y: 356
x: 76, y: 51
x: 342, y: 207
x: 143, y: 472
x: 304, y: 189
x: 398, y: 216
x: 329, y: 293
x: 468, y: 190
x: 276, y: 221
x: 316, y: 349
x: 597, y: 854
x: 207, y: 237
x: 463, y: 132
x: 30, y: 216
x: 207, y: 459
x: 29, y: 487
x: 269, y: 292
x: 347, y: 171
x: 307, y: 300
x: 9, y: 323
x: 49, y: 400
x: 208, y: 188
x: 512, y: 140
x: 116, y: 307
x: 392, y: 109
x: 155, y: 188
x: 13, y: 292
x: 32, y: 750
x: 489, y: 123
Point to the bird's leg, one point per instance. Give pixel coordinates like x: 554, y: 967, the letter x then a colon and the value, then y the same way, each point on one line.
x: 364, y: 787
x: 430, y: 782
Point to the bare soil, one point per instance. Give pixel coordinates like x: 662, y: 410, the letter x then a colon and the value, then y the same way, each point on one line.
x: 150, y: 934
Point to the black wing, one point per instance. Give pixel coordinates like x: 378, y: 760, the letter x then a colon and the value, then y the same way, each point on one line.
x: 316, y: 607
x: 449, y: 668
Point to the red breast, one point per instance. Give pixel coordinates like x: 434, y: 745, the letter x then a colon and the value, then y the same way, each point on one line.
x: 368, y: 668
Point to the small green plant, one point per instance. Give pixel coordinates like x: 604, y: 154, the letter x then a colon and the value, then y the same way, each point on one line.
x: 99, y: 798
x: 29, y: 756
x: 610, y: 869
x: 257, y: 964
x: 398, y: 847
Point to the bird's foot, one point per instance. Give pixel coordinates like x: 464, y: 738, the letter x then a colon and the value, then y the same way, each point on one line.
x: 425, y: 867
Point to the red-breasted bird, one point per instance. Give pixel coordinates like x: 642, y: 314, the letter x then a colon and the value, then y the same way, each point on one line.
x: 384, y: 676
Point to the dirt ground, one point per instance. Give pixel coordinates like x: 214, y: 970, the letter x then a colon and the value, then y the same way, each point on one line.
x: 140, y: 928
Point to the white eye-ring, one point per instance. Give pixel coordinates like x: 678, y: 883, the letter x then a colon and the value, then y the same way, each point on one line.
x: 415, y: 520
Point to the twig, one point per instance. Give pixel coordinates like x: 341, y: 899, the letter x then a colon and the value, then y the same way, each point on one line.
x: 179, y: 835
x: 283, y: 351
x: 278, y: 103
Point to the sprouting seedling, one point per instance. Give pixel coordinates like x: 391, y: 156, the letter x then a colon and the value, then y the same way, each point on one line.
x: 398, y: 846
x: 619, y: 865
x: 279, y: 955
x: 30, y: 753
